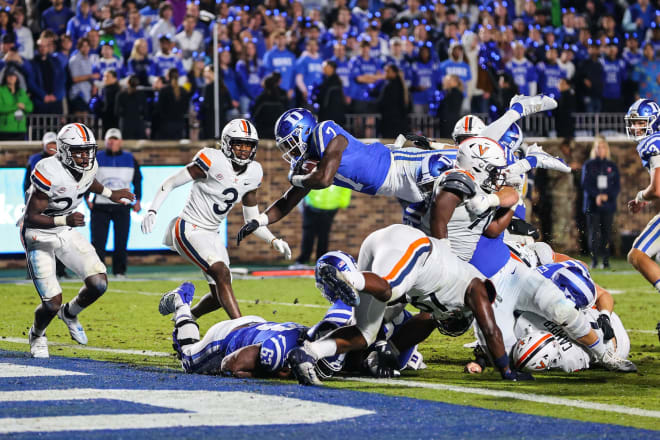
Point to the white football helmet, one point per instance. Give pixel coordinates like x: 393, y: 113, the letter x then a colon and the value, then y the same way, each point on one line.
x: 239, y: 131
x: 536, y: 351
x: 74, y: 139
x: 484, y: 159
x: 466, y: 127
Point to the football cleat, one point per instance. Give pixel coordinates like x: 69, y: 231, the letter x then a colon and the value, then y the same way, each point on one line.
x: 336, y: 281
x: 615, y: 363
x: 528, y: 105
x: 38, y: 345
x: 75, y: 328
x: 302, y: 365
x: 544, y: 160
x: 181, y: 295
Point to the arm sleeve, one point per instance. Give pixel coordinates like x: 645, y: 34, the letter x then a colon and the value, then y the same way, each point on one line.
x: 137, y: 180
x: 251, y: 213
x: 174, y: 181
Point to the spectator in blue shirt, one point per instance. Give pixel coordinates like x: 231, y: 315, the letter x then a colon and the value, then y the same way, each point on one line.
x: 399, y: 59
x: 366, y: 74
x: 343, y: 69
x: 424, y: 81
x: 550, y: 73
x: 309, y: 71
x: 647, y: 74
x: 56, y: 17
x: 82, y: 23
x: 231, y: 81
x: 46, y: 79
x: 615, y: 73
x: 139, y: 63
x: 149, y: 13
x: 166, y: 60
x: 108, y: 61
x: 280, y: 59
x: 522, y: 71
x: 249, y: 76
x: 133, y: 32
x: 638, y: 17
x: 455, y: 65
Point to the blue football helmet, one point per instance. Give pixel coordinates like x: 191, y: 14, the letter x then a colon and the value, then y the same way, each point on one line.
x: 512, y: 139
x: 642, y: 119
x: 342, y: 262
x: 432, y: 167
x: 576, y: 283
x: 292, y: 130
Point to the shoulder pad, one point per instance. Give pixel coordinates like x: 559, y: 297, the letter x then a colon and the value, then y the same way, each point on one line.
x: 43, y: 175
x: 459, y: 181
x: 202, y: 159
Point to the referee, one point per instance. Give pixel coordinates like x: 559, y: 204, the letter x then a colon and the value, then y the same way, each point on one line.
x: 117, y: 169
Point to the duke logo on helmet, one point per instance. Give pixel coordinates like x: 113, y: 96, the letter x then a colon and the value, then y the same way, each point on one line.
x: 292, y: 131
x: 642, y: 119
x: 74, y: 140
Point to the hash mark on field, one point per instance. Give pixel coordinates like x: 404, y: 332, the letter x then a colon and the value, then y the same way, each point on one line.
x: 539, y: 398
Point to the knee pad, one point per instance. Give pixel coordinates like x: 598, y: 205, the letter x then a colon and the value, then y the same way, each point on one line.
x: 577, y: 327
x: 97, y: 283
x: 186, y: 332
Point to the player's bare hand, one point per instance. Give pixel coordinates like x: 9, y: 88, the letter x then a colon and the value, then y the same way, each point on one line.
x: 123, y: 196
x: 246, y: 230
x: 137, y: 207
x: 473, y: 368
x: 75, y: 220
x: 634, y: 206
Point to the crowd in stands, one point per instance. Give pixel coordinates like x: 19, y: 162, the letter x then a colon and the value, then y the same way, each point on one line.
x: 145, y: 66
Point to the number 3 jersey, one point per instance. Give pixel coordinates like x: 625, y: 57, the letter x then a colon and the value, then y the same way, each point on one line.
x: 64, y: 192
x: 212, y: 197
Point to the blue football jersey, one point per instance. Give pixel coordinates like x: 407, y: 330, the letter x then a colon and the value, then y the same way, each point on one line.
x: 490, y: 255
x: 648, y: 148
x: 363, y: 167
x: 577, y: 285
x: 276, y: 340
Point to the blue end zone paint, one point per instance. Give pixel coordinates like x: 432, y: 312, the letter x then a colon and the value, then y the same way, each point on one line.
x: 79, y: 408
x: 396, y: 417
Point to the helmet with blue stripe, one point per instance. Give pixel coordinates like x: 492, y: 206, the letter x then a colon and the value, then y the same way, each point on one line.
x: 432, y: 167
x: 512, y: 138
x: 576, y: 283
x: 337, y: 316
x: 642, y: 119
x: 342, y: 261
x: 292, y: 131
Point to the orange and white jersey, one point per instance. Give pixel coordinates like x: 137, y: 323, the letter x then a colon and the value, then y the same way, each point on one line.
x: 64, y: 192
x: 212, y: 197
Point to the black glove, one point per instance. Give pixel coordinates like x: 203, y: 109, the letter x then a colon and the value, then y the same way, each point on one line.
x: 606, y: 326
x: 420, y: 141
x: 297, y: 168
x: 246, y: 230
x: 516, y: 376
x: 382, y: 362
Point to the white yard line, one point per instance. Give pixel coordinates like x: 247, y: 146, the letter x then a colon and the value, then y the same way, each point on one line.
x: 539, y: 398
x: 87, y: 348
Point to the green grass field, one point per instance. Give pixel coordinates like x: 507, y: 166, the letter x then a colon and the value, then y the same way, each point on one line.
x: 127, y: 318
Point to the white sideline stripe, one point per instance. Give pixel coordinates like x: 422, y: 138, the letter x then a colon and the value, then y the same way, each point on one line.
x: 539, y: 398
x: 86, y: 348
x: 18, y: 370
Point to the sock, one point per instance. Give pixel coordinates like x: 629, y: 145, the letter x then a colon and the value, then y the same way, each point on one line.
x: 657, y: 285
x: 496, y: 129
x: 598, y: 348
x: 71, y: 309
x: 322, y: 348
x: 356, y: 279
x: 182, y: 311
x: 37, y: 332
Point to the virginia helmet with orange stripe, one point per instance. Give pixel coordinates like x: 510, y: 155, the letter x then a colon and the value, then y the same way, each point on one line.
x: 484, y: 159
x: 536, y: 351
x: 73, y: 141
x: 236, y: 133
x: 466, y: 127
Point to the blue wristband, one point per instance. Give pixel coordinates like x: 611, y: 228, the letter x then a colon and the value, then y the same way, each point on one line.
x: 502, y: 362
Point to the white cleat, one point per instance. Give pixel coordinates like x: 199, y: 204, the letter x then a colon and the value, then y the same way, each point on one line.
x: 181, y: 295
x: 615, y: 363
x: 545, y: 160
x: 75, y: 328
x: 302, y: 366
x: 38, y: 345
x: 528, y: 105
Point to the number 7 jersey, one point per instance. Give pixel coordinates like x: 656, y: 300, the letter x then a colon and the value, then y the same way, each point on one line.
x: 212, y: 197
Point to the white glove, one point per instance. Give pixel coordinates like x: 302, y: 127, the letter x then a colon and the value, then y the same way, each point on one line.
x: 514, y: 180
x: 282, y: 247
x: 518, y: 168
x: 148, y: 222
x: 481, y: 203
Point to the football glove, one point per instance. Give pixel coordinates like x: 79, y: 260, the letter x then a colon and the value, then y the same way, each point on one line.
x: 517, y: 376
x: 606, y: 326
x: 246, y: 230
x: 382, y: 362
x: 481, y: 203
x: 148, y: 222
x: 282, y: 247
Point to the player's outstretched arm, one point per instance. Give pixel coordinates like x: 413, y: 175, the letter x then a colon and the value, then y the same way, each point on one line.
x: 35, y: 218
x: 123, y: 196
x: 251, y: 216
x: 183, y: 176
x: 476, y: 297
x: 501, y: 221
x: 324, y: 174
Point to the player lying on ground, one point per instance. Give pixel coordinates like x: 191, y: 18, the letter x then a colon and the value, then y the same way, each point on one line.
x: 59, y: 183
x: 324, y: 153
x: 221, y: 177
x: 400, y: 263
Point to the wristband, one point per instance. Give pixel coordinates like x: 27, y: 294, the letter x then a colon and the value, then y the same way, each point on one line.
x: 262, y: 219
x: 606, y: 313
x: 297, y: 181
x: 59, y: 220
x: 273, y: 241
x: 153, y: 210
x: 639, y: 198
x: 493, y: 200
x: 107, y: 192
x: 502, y: 362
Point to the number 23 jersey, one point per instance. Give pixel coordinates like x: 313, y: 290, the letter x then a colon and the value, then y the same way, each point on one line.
x: 64, y: 192
x: 212, y: 197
